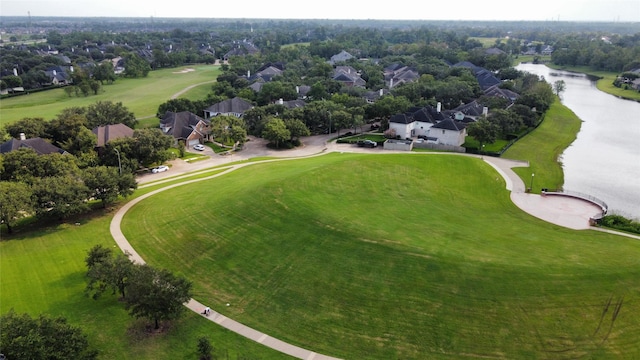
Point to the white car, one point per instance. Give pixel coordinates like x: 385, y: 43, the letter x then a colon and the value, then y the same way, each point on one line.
x: 159, y: 169
x: 198, y: 147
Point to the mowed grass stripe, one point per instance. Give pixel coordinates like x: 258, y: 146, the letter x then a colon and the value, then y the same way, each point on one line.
x: 392, y: 256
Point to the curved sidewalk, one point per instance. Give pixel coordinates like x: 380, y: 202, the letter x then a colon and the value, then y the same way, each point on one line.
x: 566, y: 212
x: 196, y: 306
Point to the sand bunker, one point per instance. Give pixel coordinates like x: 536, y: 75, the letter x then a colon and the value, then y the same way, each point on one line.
x: 184, y: 71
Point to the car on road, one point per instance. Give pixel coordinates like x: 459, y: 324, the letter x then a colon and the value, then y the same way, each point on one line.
x: 159, y: 169
x: 198, y: 147
x: 367, y: 143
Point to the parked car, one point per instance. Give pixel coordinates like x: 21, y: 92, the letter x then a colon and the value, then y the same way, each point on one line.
x: 198, y: 147
x: 367, y: 143
x: 159, y: 169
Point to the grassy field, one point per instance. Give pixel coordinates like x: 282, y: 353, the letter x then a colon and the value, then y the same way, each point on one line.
x: 43, y: 272
x: 558, y: 130
x: 141, y: 96
x: 395, y: 256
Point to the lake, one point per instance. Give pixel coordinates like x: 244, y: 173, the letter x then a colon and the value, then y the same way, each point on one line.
x: 604, y: 160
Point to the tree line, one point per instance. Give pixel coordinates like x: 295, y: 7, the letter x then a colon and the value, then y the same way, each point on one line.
x: 60, y: 186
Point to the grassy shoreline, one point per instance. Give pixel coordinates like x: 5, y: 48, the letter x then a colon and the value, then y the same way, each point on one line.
x: 543, y: 147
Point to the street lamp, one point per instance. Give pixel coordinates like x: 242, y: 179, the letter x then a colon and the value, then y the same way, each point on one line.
x: 119, y: 163
x: 531, y: 186
x: 482, y: 152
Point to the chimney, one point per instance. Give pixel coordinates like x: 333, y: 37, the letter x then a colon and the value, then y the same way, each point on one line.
x: 15, y: 72
x: 485, y: 111
x: 439, y: 107
x: 381, y: 92
x: 248, y: 74
x: 297, y: 89
x: 281, y: 102
x: 71, y: 68
x: 55, y: 73
x: 390, y: 83
x: 22, y: 136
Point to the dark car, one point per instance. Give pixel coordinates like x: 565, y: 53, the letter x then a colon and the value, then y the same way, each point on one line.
x: 367, y: 143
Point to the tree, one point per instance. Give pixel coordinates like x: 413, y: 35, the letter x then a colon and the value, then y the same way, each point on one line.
x: 508, y: 122
x: 559, y: 86
x: 30, y: 127
x: 105, y: 271
x: 156, y: 294
x: 60, y: 196
x: 276, y: 132
x: 484, y: 131
x: 104, y: 72
x: 150, y: 146
x: 296, y: 128
x: 106, y: 183
x: 108, y: 113
x: 204, y: 348
x: 15, y: 202
x: 43, y: 338
x: 135, y: 66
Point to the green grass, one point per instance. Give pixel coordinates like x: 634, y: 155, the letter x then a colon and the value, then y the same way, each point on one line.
x: 543, y: 147
x: 394, y: 256
x: 43, y: 272
x: 605, y: 81
x: 141, y: 96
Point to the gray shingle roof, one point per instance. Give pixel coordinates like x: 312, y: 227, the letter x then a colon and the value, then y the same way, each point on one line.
x: 39, y: 145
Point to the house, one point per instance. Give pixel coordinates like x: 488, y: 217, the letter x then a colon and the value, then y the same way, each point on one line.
x: 186, y: 126
x: 348, y: 76
x: 372, y: 96
x: 267, y: 74
x: 234, y: 107
x: 494, y: 51
x: 58, y: 75
x: 291, y: 104
x: 485, y: 78
x: 39, y: 145
x: 449, y: 132
x: 473, y: 110
x: 396, y: 74
x: 507, y: 94
x: 241, y: 48
x: 302, y: 91
x: 416, y: 121
x: 547, y: 50
x: 108, y: 133
x: 340, y: 57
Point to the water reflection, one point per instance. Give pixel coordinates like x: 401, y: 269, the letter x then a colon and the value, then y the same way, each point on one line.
x: 604, y: 160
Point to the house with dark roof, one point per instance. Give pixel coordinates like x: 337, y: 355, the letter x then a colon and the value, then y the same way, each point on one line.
x: 340, y: 57
x: 416, y: 121
x: 397, y: 74
x: 39, y: 145
x: 234, y: 107
x: 241, y: 48
x: 348, y: 76
x: 449, y: 132
x: 507, y: 94
x: 186, y: 126
x: 58, y: 75
x: 472, y: 110
x: 109, y: 133
x: 485, y: 78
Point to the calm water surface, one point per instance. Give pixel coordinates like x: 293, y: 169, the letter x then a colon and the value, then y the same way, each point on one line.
x: 604, y: 160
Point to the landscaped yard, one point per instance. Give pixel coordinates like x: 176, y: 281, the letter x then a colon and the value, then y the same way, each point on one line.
x: 394, y: 256
x: 141, y: 96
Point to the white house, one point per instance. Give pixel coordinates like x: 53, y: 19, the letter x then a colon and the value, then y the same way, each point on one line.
x: 449, y: 132
x: 416, y: 122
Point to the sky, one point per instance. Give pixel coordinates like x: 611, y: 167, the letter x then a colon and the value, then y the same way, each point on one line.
x: 501, y: 10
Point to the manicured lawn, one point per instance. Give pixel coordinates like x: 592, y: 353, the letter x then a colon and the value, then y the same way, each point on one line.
x: 43, y: 272
x: 543, y: 146
x: 394, y: 256
x: 141, y: 96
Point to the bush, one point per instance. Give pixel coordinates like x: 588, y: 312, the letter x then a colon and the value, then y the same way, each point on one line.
x: 621, y: 223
